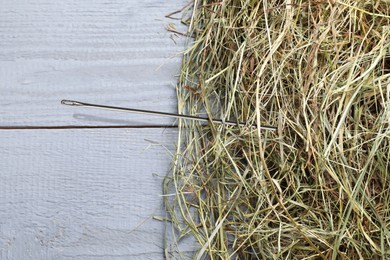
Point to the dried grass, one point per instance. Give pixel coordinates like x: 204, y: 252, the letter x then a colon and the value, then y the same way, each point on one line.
x: 319, y: 186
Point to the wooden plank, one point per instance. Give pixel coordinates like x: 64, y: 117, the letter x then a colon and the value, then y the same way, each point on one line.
x: 83, y: 194
x: 112, y: 52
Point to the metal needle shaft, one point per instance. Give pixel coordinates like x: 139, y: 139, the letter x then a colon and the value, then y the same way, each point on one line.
x: 149, y: 112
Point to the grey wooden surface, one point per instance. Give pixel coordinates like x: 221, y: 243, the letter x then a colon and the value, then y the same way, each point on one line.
x: 84, y: 193
x: 115, y: 52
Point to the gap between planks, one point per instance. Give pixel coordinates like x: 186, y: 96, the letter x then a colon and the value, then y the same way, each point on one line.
x: 84, y: 127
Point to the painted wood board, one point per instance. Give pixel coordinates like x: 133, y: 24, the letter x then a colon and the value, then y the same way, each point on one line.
x: 86, y: 193
x: 115, y: 52
x: 83, y: 194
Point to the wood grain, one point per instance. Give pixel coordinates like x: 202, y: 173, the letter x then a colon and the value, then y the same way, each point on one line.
x: 113, y: 52
x: 83, y: 194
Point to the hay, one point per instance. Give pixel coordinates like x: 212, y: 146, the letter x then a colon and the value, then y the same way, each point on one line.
x: 319, y: 186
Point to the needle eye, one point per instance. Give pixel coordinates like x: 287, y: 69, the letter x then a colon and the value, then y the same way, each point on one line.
x: 71, y: 103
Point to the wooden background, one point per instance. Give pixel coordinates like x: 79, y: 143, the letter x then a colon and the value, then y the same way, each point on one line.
x: 69, y: 191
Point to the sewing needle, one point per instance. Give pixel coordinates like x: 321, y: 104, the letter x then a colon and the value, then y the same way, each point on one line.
x: 165, y: 114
